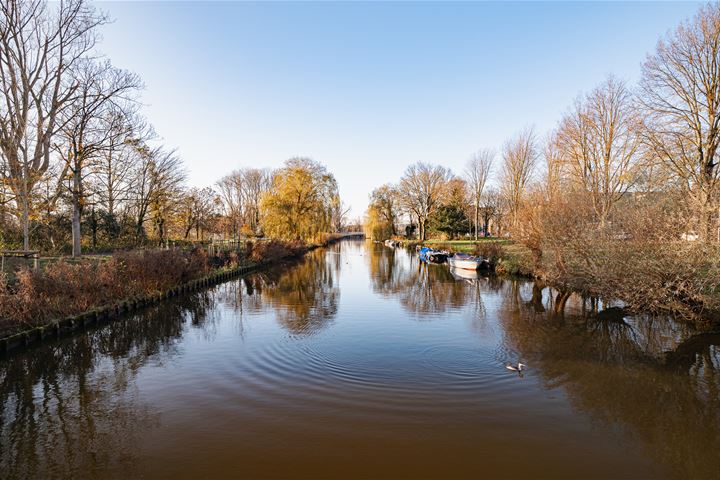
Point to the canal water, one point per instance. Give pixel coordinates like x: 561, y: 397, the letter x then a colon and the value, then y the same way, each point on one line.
x: 362, y: 362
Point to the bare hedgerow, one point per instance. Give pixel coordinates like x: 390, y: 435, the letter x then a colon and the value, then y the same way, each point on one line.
x: 638, y: 255
x: 62, y: 289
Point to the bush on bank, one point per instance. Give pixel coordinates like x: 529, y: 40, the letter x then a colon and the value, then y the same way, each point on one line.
x: 64, y: 289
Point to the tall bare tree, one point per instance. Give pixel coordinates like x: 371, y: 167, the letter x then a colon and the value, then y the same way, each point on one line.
x: 198, y: 207
x: 520, y: 155
x: 232, y: 188
x: 39, y: 46
x: 157, y: 178
x: 90, y: 125
x: 256, y: 181
x: 597, y: 143
x: 680, y: 93
x: 241, y: 191
x: 491, y: 209
x: 113, y: 172
x: 477, y: 173
x: 421, y: 191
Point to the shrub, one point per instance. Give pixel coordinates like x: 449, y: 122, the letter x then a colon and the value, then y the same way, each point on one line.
x: 63, y: 288
x: 271, y: 250
x: 490, y: 251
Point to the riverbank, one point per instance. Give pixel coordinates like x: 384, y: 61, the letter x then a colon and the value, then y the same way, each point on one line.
x: 506, y: 257
x: 357, y: 337
x: 66, y: 296
x: 681, y: 279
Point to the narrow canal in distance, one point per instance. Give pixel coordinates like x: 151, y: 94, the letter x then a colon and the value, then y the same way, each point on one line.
x: 361, y: 362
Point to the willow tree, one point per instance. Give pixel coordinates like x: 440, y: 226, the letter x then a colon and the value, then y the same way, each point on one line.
x: 376, y: 226
x: 39, y: 47
x: 299, y: 205
x: 384, y: 200
x: 680, y: 93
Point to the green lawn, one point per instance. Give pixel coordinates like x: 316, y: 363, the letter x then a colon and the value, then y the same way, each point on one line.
x: 516, y: 258
x: 467, y: 246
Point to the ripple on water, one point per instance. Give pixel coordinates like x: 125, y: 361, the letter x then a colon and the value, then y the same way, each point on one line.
x: 286, y: 376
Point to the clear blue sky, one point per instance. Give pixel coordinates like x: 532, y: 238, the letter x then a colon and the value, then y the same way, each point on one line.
x: 369, y: 88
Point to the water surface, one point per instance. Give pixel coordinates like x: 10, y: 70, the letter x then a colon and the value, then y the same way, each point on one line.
x: 362, y: 362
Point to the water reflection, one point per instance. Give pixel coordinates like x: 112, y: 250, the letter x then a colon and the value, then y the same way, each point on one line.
x: 649, y: 377
x: 422, y: 289
x: 280, y: 365
x: 303, y: 294
x: 70, y: 409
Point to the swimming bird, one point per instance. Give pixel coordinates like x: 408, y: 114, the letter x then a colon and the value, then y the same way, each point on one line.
x: 515, y: 368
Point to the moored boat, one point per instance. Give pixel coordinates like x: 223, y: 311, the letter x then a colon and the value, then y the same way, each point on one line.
x: 430, y: 255
x: 465, y: 261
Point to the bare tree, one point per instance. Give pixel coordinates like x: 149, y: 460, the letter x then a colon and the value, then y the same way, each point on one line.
x: 158, y: 178
x: 241, y: 191
x: 339, y: 211
x: 520, y: 156
x: 38, y: 49
x: 553, y: 166
x: 90, y: 125
x: 680, y: 94
x: 113, y: 172
x: 597, y: 143
x: 491, y: 209
x: 232, y: 189
x: 256, y: 181
x: 198, y: 209
x: 421, y: 191
x: 477, y: 172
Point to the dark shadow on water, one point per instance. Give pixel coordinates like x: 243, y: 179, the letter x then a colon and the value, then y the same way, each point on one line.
x: 652, y: 378
x: 69, y: 409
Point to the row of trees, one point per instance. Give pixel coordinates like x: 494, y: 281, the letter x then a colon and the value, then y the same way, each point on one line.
x: 74, y: 148
x: 616, y: 143
x: 79, y: 165
x: 431, y: 199
x: 620, y: 199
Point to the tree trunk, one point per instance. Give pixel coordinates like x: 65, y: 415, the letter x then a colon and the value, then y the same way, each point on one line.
x: 26, y: 224
x: 76, y: 249
x: 94, y: 226
x: 77, y: 210
x: 25, y: 214
x: 477, y: 221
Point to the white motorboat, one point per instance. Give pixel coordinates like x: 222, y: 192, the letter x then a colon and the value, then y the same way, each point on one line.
x: 465, y: 261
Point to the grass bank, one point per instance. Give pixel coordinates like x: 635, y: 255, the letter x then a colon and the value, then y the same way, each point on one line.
x: 506, y: 256
x: 666, y: 278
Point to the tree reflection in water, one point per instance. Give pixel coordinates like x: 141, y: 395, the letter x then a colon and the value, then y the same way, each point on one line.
x: 626, y: 372
x: 75, y: 407
x: 70, y: 408
x: 304, y: 297
x: 422, y: 289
